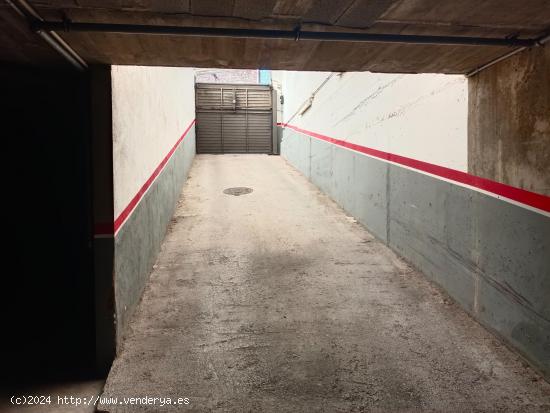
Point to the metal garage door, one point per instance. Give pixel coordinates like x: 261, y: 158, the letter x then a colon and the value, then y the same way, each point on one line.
x: 234, y: 118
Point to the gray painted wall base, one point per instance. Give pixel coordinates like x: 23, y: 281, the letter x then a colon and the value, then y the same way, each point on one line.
x: 138, y: 241
x: 491, y: 256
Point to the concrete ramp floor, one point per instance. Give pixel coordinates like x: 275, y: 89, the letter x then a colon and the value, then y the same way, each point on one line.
x: 276, y: 300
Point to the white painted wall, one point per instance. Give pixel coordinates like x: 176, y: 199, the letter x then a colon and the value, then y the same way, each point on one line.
x: 419, y: 116
x: 152, y: 107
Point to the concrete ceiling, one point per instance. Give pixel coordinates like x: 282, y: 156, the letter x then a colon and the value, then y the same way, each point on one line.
x: 487, y: 18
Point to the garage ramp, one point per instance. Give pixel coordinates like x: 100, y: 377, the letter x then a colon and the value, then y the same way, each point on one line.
x: 275, y: 300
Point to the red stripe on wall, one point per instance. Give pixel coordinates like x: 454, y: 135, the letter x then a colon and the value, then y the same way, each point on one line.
x: 110, y: 229
x: 522, y: 196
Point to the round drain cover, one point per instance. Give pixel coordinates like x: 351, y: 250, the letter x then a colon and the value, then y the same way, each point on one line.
x: 237, y: 191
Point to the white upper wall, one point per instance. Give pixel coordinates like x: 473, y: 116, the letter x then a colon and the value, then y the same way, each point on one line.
x: 419, y: 116
x: 152, y: 107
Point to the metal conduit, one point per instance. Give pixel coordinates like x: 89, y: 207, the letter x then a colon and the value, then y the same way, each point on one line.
x: 539, y: 42
x: 296, y: 34
x: 23, y: 8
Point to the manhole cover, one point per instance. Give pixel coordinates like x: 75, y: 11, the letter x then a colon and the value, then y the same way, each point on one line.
x: 237, y: 191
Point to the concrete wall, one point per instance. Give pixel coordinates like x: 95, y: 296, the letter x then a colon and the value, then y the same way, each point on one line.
x: 489, y: 254
x: 418, y: 116
x: 509, y: 121
x: 227, y: 76
x: 152, y: 107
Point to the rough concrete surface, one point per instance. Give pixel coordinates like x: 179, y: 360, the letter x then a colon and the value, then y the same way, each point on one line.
x: 509, y: 121
x: 490, y: 18
x: 277, y: 300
